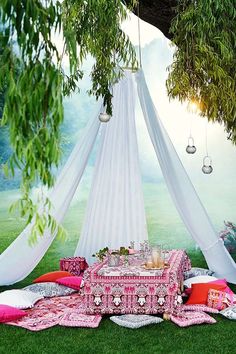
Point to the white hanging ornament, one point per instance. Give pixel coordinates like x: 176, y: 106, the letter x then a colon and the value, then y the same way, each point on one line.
x: 104, y: 117
x: 207, y: 167
x: 191, y: 148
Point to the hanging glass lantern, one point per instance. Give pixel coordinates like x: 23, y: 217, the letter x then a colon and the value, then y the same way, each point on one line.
x: 191, y: 148
x: 104, y: 117
x: 207, y: 168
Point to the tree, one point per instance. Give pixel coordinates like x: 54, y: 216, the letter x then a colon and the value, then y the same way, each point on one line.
x: 32, y: 76
x: 203, y: 68
x: 34, y: 81
x: 158, y: 13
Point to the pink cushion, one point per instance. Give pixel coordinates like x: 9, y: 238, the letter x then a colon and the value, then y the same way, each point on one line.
x: 190, y: 318
x: 219, y: 299
x: 222, y: 282
x: 74, y: 318
x: 72, y: 282
x: 9, y: 313
x: 199, y: 308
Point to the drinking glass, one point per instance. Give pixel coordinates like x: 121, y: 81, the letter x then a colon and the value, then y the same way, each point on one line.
x: 156, y: 255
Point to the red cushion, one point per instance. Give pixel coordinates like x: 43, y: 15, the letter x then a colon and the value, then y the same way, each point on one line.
x: 218, y: 281
x: 52, y: 276
x: 199, y: 292
x: 9, y: 313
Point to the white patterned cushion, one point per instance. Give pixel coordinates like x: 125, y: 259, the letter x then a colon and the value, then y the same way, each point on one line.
x: 193, y: 272
x: 198, y: 279
x: 50, y: 289
x: 21, y: 299
x: 229, y: 312
x: 135, y: 321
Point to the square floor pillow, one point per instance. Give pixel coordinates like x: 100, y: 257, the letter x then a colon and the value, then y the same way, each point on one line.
x: 193, y: 272
x: 50, y: 289
x: 135, y: 321
x: 229, y: 312
x: 199, y: 308
x: 9, y: 313
x: 52, y: 276
x: 190, y: 318
x: 72, y: 282
x: 219, y: 299
x: 74, y: 318
x: 199, y: 279
x: 199, y: 292
x: 20, y: 299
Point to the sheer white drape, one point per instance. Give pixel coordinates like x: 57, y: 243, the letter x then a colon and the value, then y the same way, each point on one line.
x: 19, y: 259
x: 115, y: 213
x: 182, y: 191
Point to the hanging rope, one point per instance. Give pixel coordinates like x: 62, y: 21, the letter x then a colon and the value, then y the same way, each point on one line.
x: 206, y: 138
x: 190, y: 126
x: 139, y: 37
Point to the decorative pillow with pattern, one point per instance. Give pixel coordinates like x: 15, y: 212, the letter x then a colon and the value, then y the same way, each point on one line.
x: 50, y: 289
x: 189, y: 318
x: 193, y: 272
x: 199, y: 308
x: 135, y: 321
x: 219, y: 299
x: 229, y: 312
x: 74, y: 318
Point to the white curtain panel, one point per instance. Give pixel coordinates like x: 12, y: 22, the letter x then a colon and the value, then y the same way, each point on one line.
x: 182, y: 191
x: 19, y: 259
x: 115, y: 213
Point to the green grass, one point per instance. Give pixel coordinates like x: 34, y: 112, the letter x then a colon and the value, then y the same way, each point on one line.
x: 109, y: 338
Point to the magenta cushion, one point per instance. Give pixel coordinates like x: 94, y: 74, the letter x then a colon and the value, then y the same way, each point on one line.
x: 72, y: 282
x: 9, y: 313
x: 222, y: 282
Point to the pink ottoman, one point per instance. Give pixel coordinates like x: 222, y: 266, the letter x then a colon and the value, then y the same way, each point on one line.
x: 74, y: 265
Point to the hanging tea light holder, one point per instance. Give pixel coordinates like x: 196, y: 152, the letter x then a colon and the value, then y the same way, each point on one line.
x: 191, y: 148
x: 104, y: 117
x: 207, y: 161
x: 207, y: 165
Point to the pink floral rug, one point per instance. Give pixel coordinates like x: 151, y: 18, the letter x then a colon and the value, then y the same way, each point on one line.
x: 47, y: 312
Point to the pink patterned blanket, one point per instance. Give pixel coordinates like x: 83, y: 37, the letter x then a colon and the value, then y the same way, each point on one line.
x: 48, y: 312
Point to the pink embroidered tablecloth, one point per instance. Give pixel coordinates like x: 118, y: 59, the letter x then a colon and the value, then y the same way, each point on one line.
x: 133, y: 289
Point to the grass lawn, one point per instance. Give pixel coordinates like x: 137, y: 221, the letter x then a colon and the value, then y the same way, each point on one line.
x: 108, y: 338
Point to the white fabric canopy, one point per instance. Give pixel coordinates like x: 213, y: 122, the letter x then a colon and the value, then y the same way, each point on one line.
x: 19, y: 259
x: 182, y: 191
x: 115, y: 214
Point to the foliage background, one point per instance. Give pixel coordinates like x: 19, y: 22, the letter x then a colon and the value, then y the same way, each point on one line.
x: 217, y: 191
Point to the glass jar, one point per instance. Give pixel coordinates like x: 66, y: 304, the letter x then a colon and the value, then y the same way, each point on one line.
x: 113, y: 260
